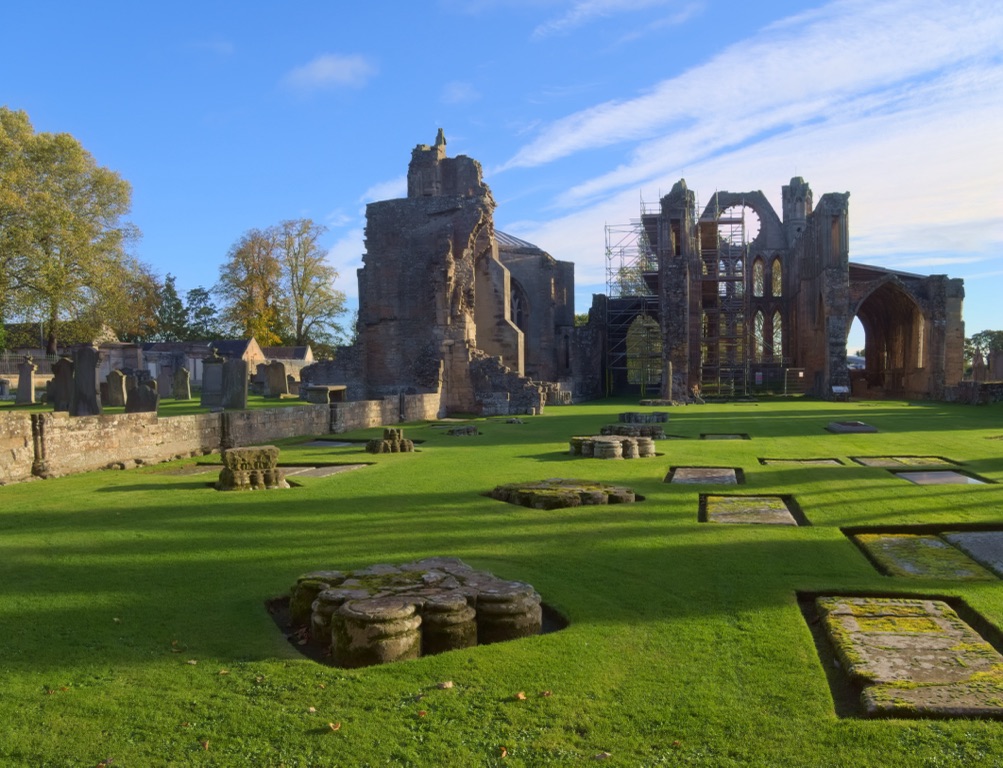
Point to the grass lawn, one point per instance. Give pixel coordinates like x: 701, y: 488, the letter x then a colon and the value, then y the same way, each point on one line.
x: 133, y: 630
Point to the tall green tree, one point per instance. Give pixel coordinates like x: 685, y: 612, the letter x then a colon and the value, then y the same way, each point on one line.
x: 314, y: 304
x: 63, y: 237
x: 171, y: 316
x: 277, y: 286
x: 250, y: 287
x: 203, y: 322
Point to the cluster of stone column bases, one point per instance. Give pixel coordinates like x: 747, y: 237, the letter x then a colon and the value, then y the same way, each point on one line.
x: 388, y: 613
x: 393, y: 441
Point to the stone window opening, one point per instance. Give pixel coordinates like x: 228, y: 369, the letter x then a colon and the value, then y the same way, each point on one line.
x: 778, y: 336
x: 777, y: 278
x: 758, y: 278
x: 758, y: 336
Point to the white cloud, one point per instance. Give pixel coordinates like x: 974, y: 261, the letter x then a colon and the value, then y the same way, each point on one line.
x: 585, y: 11
x: 386, y: 190
x: 332, y: 70
x: 459, y: 92
x: 346, y: 256
x: 806, y: 67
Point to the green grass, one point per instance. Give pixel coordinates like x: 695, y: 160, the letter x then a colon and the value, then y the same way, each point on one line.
x: 168, y: 406
x: 686, y: 645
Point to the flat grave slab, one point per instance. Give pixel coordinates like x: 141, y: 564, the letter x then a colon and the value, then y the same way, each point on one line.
x: 703, y: 475
x: 893, y: 462
x: 984, y: 546
x: 922, y: 555
x: 942, y: 477
x: 558, y: 493
x: 724, y: 436
x: 321, y: 471
x: 755, y: 510
x: 913, y: 657
x: 326, y: 444
x: 849, y: 427
x: 801, y: 462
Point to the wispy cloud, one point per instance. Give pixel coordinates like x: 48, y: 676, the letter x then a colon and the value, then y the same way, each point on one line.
x: 899, y: 104
x: 332, y: 70
x: 459, y: 92
x: 586, y: 11
x: 215, y: 45
x: 386, y: 190
x: 346, y: 256
x: 792, y: 72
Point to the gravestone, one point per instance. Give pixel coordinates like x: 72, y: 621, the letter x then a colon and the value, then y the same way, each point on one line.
x: 294, y: 386
x: 4, y: 388
x: 276, y: 382
x: 165, y: 379
x: 234, y: 394
x: 61, y: 389
x: 26, y: 381
x: 212, y: 381
x: 182, y: 385
x: 115, y: 389
x: 85, y: 382
x: 143, y: 399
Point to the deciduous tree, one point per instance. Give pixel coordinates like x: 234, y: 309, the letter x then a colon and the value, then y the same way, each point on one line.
x: 314, y: 304
x: 62, y: 234
x: 250, y: 287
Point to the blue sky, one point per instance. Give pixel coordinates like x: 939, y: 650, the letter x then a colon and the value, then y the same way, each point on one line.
x: 228, y: 116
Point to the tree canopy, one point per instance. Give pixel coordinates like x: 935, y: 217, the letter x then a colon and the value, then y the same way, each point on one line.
x: 63, y: 238
x: 277, y: 286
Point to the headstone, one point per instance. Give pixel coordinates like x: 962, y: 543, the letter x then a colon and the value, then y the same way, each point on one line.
x: 165, y: 379
x: 115, y: 389
x: 294, y: 386
x: 60, y: 391
x: 212, y: 381
x: 4, y: 388
x: 182, y: 385
x: 85, y: 382
x: 234, y: 394
x: 276, y: 383
x: 143, y: 399
x: 26, y: 381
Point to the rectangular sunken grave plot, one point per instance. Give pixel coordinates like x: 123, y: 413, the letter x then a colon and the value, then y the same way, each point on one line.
x: 898, y: 462
x: 849, y: 427
x: 750, y: 510
x: 801, y: 462
x: 912, y: 657
x: 705, y: 476
x: 984, y: 546
x: 939, y: 477
x: 919, y: 555
x: 724, y: 436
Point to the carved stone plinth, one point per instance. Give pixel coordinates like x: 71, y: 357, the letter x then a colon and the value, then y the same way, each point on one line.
x: 251, y: 469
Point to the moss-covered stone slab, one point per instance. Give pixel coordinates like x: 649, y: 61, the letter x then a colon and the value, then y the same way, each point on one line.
x: 801, y: 462
x: 558, y: 493
x: 703, y: 476
x: 913, y: 657
x: 849, y: 427
x: 327, y: 471
x: 895, y: 462
x: 921, y: 556
x: 984, y: 546
x: 942, y: 477
x: 756, y: 510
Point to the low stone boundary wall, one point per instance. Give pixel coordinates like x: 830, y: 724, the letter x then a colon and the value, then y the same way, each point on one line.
x: 975, y: 392
x: 56, y: 444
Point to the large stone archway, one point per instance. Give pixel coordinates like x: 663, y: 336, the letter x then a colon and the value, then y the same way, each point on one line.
x: 896, y: 331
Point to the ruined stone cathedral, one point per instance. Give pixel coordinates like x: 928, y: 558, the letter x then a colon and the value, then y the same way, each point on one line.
x: 732, y: 315
x: 448, y: 305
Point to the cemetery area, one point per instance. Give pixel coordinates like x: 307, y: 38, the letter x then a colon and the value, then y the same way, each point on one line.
x: 698, y: 627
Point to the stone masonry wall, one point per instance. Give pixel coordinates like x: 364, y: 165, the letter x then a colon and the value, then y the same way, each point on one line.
x: 17, y: 450
x: 56, y: 444
x: 66, y: 445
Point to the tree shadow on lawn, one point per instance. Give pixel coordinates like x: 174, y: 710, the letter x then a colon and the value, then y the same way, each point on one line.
x: 201, y: 578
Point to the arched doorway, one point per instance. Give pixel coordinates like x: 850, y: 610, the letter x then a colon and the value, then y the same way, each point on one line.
x: 895, y: 345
